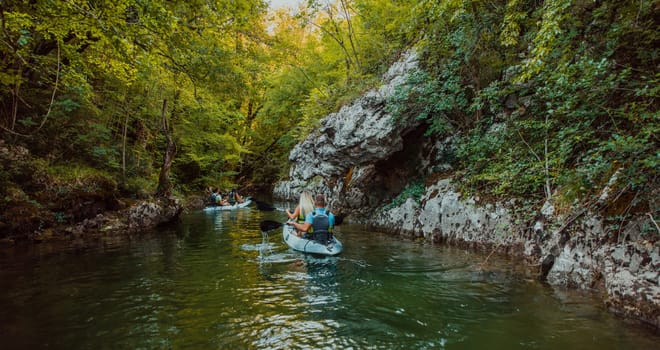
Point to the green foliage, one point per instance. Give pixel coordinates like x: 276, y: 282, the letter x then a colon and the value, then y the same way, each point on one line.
x: 545, y: 99
x: 513, y: 17
x: 574, y: 101
x: 85, y: 82
x: 79, y: 177
x: 138, y: 187
x: 429, y: 99
x: 413, y: 190
x: 208, y: 159
x: 321, y: 58
x: 60, y: 217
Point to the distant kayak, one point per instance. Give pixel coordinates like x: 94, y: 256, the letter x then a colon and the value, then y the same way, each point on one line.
x: 245, y: 203
x: 333, y: 247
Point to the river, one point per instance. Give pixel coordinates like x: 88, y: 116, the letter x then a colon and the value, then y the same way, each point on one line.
x: 214, y: 281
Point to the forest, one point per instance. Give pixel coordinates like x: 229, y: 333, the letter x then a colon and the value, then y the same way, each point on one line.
x: 101, y: 100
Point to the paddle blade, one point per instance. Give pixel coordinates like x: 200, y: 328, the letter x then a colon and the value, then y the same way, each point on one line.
x: 268, y: 225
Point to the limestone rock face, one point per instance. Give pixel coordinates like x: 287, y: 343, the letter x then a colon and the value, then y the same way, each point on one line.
x: 628, y: 271
x: 150, y: 214
x: 580, y: 257
x: 443, y: 215
x: 359, y: 134
x: 142, y: 216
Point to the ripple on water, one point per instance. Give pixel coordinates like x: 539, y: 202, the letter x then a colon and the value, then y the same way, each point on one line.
x: 218, y: 282
x: 258, y: 247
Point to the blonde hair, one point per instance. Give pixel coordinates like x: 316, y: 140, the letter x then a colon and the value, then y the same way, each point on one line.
x: 306, y: 203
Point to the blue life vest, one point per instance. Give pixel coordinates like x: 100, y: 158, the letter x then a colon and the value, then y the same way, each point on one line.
x: 321, y: 230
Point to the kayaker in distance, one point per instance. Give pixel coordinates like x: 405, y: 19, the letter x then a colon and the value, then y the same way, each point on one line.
x: 217, y: 199
x: 235, y: 197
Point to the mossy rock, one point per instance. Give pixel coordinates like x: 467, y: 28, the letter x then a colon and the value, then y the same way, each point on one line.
x: 82, y: 198
x: 25, y: 219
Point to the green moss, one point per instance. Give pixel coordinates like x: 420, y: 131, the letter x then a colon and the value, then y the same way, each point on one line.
x: 414, y: 190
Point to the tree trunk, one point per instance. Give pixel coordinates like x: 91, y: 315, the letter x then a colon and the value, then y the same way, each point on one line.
x: 351, y: 33
x: 124, y: 135
x: 164, y: 185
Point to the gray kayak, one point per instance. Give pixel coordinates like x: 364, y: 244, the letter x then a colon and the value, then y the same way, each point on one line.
x: 304, y: 245
x: 229, y: 207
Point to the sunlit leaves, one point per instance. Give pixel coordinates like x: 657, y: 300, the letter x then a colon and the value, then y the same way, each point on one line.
x: 511, y: 25
x: 110, y: 64
x: 544, y: 44
x: 560, y: 96
x: 540, y: 92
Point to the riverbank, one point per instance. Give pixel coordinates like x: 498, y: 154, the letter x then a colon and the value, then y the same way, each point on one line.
x: 43, y: 204
x: 574, y: 249
x: 140, y: 216
x: 571, y: 250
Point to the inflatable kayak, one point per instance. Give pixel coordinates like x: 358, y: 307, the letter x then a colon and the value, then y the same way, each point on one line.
x: 333, y: 247
x: 245, y: 203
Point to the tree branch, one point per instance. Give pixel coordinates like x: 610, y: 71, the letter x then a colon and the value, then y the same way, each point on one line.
x: 52, y: 97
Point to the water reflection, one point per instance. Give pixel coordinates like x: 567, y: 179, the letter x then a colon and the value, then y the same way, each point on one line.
x: 302, y: 289
x: 215, y: 281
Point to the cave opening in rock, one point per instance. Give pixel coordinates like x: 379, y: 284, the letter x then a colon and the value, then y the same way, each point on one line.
x: 405, y: 166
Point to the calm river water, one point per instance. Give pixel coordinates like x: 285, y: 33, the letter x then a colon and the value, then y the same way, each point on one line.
x: 213, y: 282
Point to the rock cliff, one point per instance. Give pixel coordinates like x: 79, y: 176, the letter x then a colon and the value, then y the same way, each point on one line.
x: 360, y: 159
x: 343, y: 155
